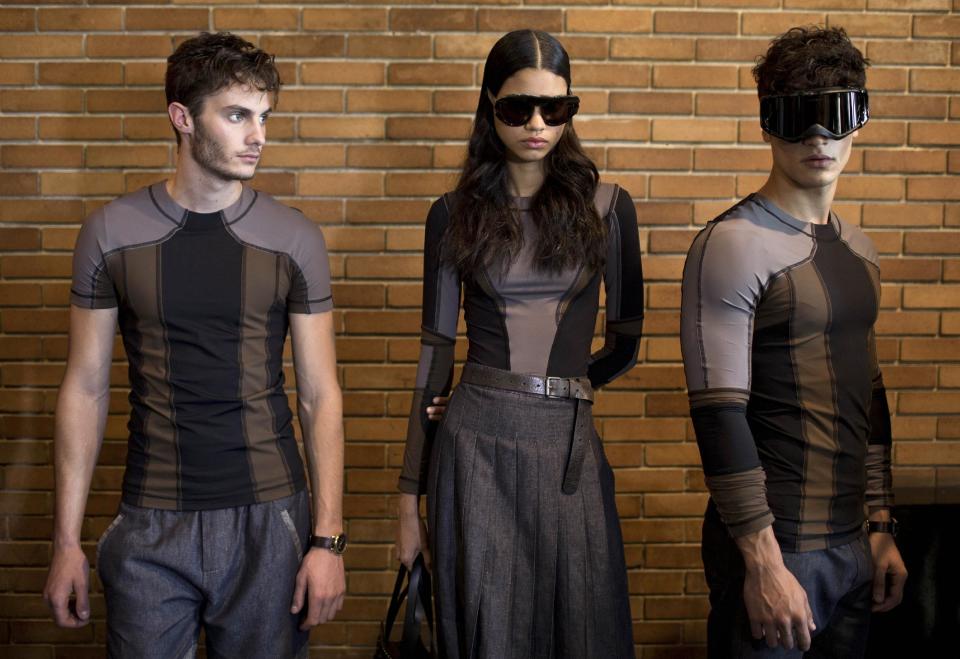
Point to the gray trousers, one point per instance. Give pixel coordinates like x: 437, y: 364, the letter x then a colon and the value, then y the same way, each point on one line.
x: 231, y: 571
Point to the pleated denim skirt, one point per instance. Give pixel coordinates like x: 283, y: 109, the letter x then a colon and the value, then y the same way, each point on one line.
x: 522, y: 570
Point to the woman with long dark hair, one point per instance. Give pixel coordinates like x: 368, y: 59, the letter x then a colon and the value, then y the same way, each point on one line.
x: 525, y: 540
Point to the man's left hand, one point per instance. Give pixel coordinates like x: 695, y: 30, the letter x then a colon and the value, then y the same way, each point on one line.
x: 889, y: 572
x: 321, y: 585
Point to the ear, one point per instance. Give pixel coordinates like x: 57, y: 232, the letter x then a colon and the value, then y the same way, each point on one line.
x: 180, y: 118
x: 766, y: 136
x: 491, y: 97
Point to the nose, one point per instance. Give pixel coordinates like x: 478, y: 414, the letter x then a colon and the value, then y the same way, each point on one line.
x: 535, y: 122
x: 258, y: 134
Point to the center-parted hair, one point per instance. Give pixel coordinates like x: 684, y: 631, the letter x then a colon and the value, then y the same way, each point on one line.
x: 210, y: 62
x: 806, y: 58
x: 484, y: 228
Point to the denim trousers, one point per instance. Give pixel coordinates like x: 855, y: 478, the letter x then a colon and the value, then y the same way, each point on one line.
x: 838, y: 582
x: 230, y: 571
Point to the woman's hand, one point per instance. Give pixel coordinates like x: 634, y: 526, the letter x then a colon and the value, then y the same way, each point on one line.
x: 435, y: 411
x: 411, y: 532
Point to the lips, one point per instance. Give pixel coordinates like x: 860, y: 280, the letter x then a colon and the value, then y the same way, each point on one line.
x: 535, y: 143
x: 250, y: 156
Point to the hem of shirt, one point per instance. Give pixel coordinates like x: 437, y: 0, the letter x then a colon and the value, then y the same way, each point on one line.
x: 803, y: 543
x: 409, y: 486
x: 145, y: 500
x: 310, y: 307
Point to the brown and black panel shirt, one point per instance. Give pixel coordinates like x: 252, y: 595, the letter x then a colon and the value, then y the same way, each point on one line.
x: 203, y: 302
x: 787, y: 400
x: 523, y: 320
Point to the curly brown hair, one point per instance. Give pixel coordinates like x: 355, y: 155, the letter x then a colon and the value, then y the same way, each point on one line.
x: 210, y: 62
x: 805, y: 58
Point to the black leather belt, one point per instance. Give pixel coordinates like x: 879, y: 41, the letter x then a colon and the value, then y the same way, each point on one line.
x: 550, y: 387
x: 578, y: 389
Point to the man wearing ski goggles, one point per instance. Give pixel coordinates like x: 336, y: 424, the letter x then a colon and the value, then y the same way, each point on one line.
x: 778, y: 305
x: 833, y: 113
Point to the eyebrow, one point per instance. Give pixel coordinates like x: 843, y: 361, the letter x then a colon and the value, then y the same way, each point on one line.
x: 244, y: 111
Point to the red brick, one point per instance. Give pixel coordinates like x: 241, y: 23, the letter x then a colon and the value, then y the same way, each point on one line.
x: 430, y: 73
x: 627, y: 102
x: 17, y: 73
x: 934, y: 80
x: 698, y: 22
x: 341, y: 127
x: 273, y: 18
x: 32, y: 46
x: 126, y: 100
x: 40, y: 100
x: 432, y: 20
x: 389, y: 101
x: 695, y: 76
x: 403, y: 46
x: 340, y: 184
x: 614, y: 129
x: 908, y: 106
x: 648, y: 158
x: 902, y: 161
x: 87, y: 19
x: 927, y: 188
x: 168, y: 18
x: 776, y: 23
x: 455, y: 128
x: 81, y: 73
x: 936, y: 26
x: 871, y: 25
x: 660, y: 48
x: 731, y: 50
x: 606, y: 21
x: 377, y: 156
x: 18, y: 20
x: 614, y: 75
x: 504, y: 20
x: 342, y: 73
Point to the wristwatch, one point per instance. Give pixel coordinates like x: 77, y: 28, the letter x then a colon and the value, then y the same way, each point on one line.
x: 335, y: 543
x: 890, y: 527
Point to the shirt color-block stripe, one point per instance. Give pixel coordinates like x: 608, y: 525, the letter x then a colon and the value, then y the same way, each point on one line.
x: 203, y: 309
x: 783, y: 310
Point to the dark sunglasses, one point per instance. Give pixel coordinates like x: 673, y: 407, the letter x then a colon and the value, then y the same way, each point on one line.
x: 792, y: 117
x: 516, y: 110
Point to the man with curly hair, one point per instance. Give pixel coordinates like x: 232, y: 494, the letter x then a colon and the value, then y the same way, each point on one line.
x: 780, y: 297
x: 205, y: 276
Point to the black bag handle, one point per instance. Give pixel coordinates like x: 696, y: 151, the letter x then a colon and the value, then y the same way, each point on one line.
x: 419, y: 607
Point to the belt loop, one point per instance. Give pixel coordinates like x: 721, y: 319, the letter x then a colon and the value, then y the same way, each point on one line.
x: 578, y: 445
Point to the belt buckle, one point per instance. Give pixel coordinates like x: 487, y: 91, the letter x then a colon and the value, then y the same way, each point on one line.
x: 558, y: 387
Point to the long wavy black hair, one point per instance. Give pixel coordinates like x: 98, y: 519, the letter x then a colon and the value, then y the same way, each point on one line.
x: 484, y: 228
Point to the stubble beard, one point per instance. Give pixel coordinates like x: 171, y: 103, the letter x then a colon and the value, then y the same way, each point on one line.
x: 209, y: 155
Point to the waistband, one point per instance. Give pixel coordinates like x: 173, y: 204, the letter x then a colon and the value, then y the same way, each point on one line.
x: 549, y: 387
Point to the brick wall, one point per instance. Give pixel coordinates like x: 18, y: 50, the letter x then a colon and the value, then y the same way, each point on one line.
x: 371, y: 128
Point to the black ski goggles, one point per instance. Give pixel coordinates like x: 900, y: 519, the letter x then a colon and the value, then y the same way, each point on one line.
x: 516, y: 110
x: 833, y: 113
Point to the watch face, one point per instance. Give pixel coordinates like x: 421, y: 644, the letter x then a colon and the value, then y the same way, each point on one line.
x: 340, y: 543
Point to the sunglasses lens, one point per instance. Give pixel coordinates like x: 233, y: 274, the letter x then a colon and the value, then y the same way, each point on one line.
x: 514, y: 110
x: 559, y: 111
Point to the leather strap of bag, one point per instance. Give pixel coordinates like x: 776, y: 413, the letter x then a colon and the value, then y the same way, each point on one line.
x: 419, y: 608
x: 399, y: 594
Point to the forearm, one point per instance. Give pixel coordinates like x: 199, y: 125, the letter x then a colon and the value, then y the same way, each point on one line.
x: 80, y: 420
x: 760, y: 550
x: 321, y: 421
